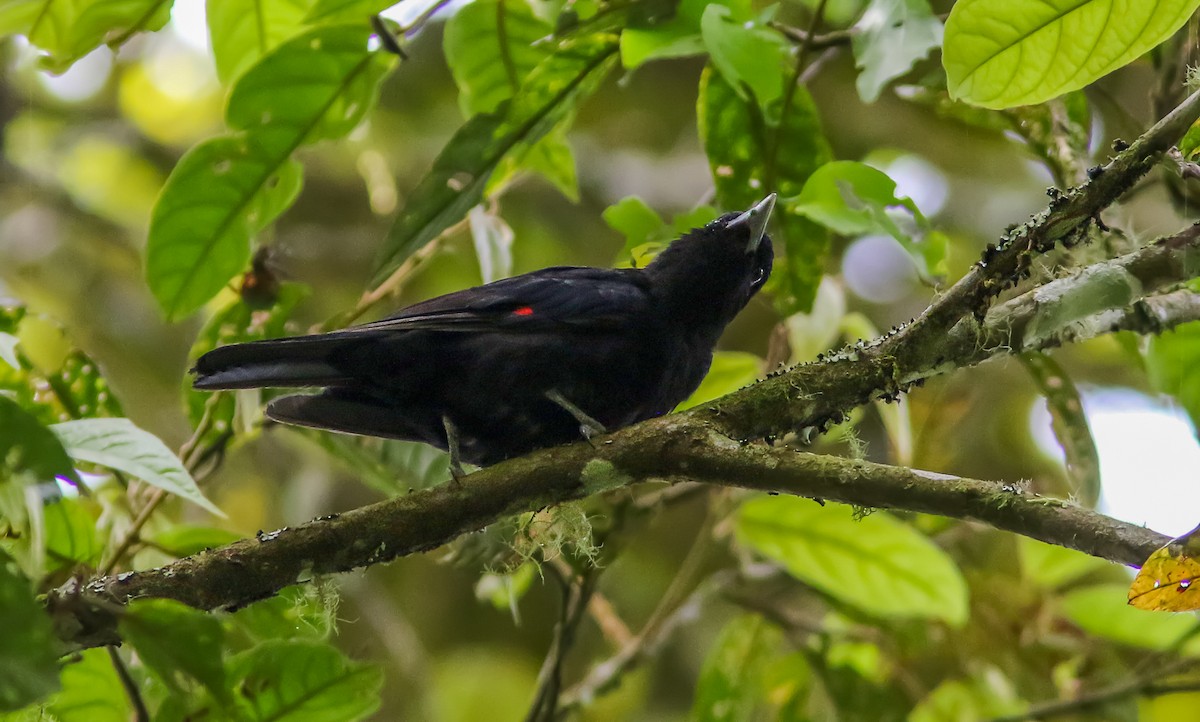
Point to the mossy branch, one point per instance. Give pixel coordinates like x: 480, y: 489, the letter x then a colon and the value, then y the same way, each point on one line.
x: 708, y: 444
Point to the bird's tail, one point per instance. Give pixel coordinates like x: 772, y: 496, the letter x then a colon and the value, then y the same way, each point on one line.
x: 298, y: 361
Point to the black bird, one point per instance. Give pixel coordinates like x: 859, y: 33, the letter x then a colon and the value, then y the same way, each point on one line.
x: 530, y: 361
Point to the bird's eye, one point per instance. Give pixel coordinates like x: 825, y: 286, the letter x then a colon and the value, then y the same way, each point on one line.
x: 760, y: 275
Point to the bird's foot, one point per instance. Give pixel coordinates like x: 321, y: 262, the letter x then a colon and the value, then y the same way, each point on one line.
x: 588, y: 426
x: 457, y: 472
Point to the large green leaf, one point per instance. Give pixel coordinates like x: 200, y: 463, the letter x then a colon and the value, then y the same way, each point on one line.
x: 300, y: 681
x: 70, y: 30
x: 893, y: 35
x: 732, y: 681
x: 750, y: 153
x: 241, y: 32
x: 28, y: 654
x: 118, y: 444
x: 877, y: 563
x: 177, y: 642
x: 318, y: 85
x: 459, y: 175
x: 219, y: 195
x: 747, y: 54
x: 1001, y: 53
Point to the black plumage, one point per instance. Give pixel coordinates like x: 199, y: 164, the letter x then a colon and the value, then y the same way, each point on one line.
x: 524, y: 362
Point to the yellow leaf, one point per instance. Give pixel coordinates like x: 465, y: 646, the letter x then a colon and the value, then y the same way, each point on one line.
x: 1169, y: 581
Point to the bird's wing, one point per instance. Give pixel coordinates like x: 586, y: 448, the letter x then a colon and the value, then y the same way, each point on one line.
x: 584, y: 298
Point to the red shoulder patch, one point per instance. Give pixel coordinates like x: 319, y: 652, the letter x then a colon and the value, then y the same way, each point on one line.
x: 524, y: 311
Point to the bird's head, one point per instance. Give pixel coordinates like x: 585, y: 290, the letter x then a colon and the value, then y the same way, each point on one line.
x: 710, y: 273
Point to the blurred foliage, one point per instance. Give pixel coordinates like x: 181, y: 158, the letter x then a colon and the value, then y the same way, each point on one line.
x: 237, y: 173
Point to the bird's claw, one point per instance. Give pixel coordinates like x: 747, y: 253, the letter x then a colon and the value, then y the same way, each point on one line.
x: 588, y: 427
x: 457, y: 472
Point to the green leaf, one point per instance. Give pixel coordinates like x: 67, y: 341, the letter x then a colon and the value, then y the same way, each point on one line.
x: 490, y: 48
x: 221, y: 193
x: 28, y: 647
x: 28, y: 447
x: 1190, y: 143
x: 72, y: 533
x: 318, y: 85
x: 635, y: 220
x: 457, y: 180
x: 1001, y: 53
x: 679, y: 36
x: 295, y: 681
x: 1070, y: 425
x: 749, y: 156
x: 1052, y: 566
x: 645, y: 232
x: 893, y: 35
x: 551, y: 157
x: 118, y: 444
x: 730, y: 371
x: 853, y: 198
x: 242, y: 33
x: 746, y: 54
x: 70, y: 30
x: 1103, y: 610
x: 91, y: 691
x: 176, y: 641
x: 733, y: 679
x: 1169, y: 360
x: 877, y: 564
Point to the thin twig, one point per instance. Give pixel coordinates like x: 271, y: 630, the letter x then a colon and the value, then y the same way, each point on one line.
x: 606, y: 675
x: 1148, y: 685
x: 135, y: 528
x: 789, y: 95
x: 832, y: 39
x: 141, y: 714
x: 576, y: 592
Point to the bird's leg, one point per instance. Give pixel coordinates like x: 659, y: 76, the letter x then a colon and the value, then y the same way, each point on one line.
x: 588, y: 426
x: 456, y: 468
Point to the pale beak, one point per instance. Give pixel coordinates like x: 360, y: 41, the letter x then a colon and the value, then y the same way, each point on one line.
x: 755, y: 220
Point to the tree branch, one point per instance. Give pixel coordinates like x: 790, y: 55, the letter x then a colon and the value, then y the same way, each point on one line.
x: 704, y: 444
